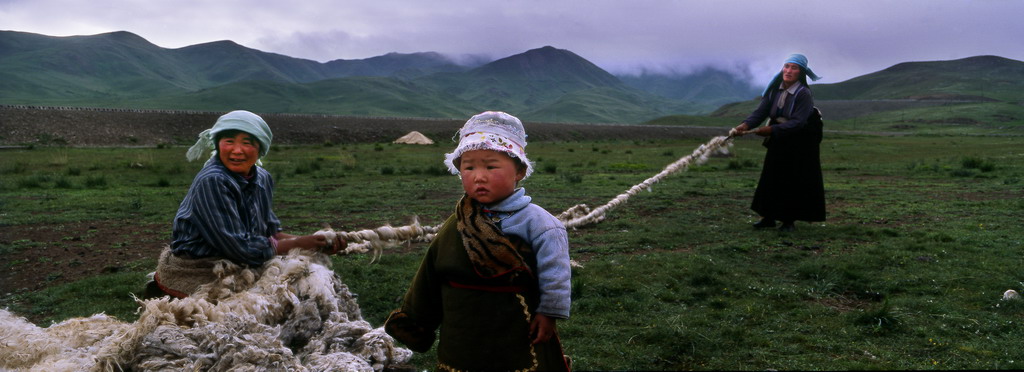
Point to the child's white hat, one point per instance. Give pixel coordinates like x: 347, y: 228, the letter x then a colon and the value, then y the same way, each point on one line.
x: 491, y: 130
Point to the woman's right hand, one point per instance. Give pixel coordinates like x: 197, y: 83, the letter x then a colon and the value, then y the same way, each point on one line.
x: 739, y: 130
x: 310, y: 242
x: 336, y: 246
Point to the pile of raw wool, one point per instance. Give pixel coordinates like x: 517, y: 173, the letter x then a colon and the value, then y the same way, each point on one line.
x: 291, y: 314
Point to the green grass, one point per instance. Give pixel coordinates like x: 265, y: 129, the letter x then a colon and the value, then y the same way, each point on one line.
x: 922, y: 237
x: 923, y: 118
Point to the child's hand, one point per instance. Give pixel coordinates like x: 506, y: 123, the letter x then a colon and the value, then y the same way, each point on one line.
x: 542, y: 328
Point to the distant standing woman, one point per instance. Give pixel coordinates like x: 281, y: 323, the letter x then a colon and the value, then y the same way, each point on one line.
x: 791, y: 186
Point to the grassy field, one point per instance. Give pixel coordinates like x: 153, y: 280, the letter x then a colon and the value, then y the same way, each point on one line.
x: 923, y: 118
x: 923, y: 236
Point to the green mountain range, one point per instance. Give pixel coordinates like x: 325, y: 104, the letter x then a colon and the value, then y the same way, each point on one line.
x: 123, y: 70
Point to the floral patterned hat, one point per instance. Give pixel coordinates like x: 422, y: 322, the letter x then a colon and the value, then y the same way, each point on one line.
x: 491, y: 130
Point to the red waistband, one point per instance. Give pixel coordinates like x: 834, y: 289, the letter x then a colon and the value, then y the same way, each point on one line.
x: 173, y: 293
x: 490, y: 288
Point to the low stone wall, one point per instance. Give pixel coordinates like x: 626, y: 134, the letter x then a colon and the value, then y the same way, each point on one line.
x: 22, y: 125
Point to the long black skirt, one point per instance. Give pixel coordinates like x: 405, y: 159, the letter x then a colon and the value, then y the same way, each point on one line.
x: 791, y: 186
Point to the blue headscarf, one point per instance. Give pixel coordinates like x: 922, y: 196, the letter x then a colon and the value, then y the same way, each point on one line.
x: 797, y: 59
x: 235, y: 120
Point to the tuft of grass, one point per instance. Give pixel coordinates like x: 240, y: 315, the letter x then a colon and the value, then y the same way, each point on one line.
x: 572, y: 177
x: 551, y: 168
x: 735, y: 164
x: 435, y: 170
x: 63, y: 183
x: 880, y: 319
x: 983, y: 165
x: 96, y: 182
x: 33, y: 182
x: 15, y: 168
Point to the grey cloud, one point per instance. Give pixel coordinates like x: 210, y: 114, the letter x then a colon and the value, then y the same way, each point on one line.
x: 841, y: 39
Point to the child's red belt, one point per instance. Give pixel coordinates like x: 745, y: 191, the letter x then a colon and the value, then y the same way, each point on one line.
x: 490, y: 288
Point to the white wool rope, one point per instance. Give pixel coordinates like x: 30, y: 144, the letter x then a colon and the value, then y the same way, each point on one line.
x: 581, y: 215
x: 376, y: 240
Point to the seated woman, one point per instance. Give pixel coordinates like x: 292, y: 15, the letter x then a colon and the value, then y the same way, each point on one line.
x: 227, y: 213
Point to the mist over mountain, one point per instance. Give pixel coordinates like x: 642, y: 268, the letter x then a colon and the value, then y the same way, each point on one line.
x: 708, y: 86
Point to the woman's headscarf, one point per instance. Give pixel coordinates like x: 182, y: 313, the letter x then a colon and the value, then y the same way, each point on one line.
x: 242, y: 120
x: 797, y: 59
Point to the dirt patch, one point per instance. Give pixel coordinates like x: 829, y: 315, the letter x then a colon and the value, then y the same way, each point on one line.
x: 47, y: 255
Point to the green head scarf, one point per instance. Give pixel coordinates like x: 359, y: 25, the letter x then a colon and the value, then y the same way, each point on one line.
x: 242, y: 120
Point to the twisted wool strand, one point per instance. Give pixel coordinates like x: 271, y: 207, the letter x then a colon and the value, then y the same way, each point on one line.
x: 581, y: 215
x: 376, y: 240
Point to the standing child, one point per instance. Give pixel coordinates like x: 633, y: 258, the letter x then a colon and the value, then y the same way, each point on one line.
x: 496, y: 276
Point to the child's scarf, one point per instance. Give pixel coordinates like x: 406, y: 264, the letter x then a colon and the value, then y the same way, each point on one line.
x: 491, y: 252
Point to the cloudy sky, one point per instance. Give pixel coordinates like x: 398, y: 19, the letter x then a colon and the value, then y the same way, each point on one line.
x: 842, y: 39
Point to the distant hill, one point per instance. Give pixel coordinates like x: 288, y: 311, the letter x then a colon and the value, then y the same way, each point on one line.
x: 123, y: 70
x: 556, y: 85
x: 394, y: 65
x: 973, y: 78
x: 359, y: 96
x: 43, y: 69
x: 37, y: 69
x: 534, y: 78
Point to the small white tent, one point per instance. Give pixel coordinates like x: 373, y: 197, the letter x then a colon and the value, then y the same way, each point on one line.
x: 414, y: 138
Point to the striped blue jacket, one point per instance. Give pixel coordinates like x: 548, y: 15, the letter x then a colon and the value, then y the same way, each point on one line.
x: 225, y: 215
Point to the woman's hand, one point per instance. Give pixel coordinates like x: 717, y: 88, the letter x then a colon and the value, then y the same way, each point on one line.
x: 336, y: 246
x: 542, y: 328
x: 287, y: 242
x: 739, y: 130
